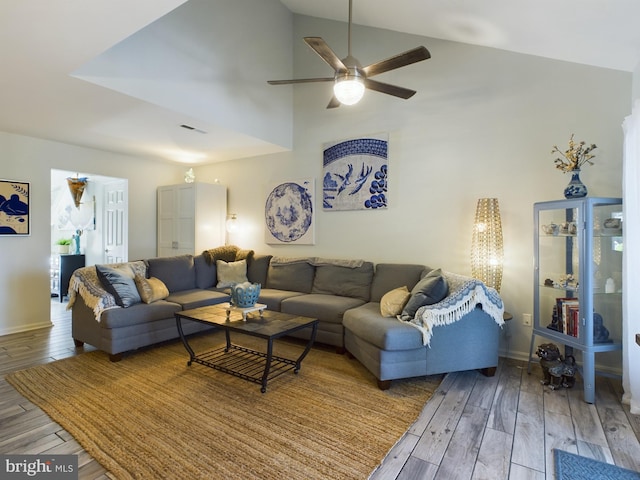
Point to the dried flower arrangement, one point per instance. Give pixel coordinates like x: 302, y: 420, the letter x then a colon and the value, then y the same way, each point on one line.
x: 575, y: 156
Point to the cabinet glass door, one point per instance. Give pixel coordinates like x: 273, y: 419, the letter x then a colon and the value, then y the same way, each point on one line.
x: 559, y: 273
x: 607, y: 285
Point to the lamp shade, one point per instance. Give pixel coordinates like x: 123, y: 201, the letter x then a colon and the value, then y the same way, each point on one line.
x: 486, y: 244
x: 349, y: 90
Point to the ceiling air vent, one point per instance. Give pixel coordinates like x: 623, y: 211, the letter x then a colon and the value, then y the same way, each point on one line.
x: 189, y: 127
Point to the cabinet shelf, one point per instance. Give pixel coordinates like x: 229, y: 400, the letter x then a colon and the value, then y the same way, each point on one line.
x: 574, y: 342
x: 589, y: 253
x: 560, y: 289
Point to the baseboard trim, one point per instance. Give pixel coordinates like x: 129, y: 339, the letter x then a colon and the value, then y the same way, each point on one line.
x: 25, y: 328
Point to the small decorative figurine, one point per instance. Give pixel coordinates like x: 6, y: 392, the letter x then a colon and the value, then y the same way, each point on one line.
x: 549, y: 358
x: 600, y: 332
x: 563, y: 374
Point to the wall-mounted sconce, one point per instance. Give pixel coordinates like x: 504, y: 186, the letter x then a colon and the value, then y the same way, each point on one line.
x: 486, y: 245
x: 76, y: 187
x: 232, y: 223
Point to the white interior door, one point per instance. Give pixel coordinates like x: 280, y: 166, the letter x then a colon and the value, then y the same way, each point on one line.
x: 115, y: 222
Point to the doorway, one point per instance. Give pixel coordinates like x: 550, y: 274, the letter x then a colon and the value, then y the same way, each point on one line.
x: 99, y: 223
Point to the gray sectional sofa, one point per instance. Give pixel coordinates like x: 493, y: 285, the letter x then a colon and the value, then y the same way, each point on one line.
x: 343, y: 295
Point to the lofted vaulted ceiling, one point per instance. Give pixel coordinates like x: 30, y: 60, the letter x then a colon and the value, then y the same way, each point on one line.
x: 59, y: 58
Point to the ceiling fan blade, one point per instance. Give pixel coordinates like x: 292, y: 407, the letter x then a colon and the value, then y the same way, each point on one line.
x: 389, y: 89
x: 300, y: 80
x: 325, y: 52
x: 333, y: 103
x: 407, y: 58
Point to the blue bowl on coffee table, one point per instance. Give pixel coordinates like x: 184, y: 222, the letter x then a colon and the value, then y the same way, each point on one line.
x: 245, y: 295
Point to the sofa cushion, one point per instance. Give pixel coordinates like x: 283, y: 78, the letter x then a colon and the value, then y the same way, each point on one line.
x: 119, y: 281
x: 367, y: 323
x: 257, y: 268
x: 326, y: 308
x: 206, y: 276
x: 195, y: 298
x: 273, y: 298
x: 295, y: 277
x: 394, y: 301
x: 178, y: 273
x: 138, y: 314
x: 231, y: 273
x: 344, y: 281
x: 151, y: 289
x: 431, y: 289
x: 393, y: 275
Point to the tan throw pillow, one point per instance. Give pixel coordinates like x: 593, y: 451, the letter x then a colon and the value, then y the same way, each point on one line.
x: 392, y: 303
x: 231, y: 273
x: 151, y: 289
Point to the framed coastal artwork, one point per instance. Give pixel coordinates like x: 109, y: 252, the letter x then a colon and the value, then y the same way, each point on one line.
x: 289, y: 213
x: 354, y: 174
x: 14, y: 208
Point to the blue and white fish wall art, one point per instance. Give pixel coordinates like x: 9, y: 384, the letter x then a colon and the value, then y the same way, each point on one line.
x: 355, y: 174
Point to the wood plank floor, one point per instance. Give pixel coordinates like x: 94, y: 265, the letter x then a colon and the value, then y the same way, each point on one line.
x: 474, y: 427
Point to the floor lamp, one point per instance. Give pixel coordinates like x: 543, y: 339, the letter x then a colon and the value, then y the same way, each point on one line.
x: 486, y: 245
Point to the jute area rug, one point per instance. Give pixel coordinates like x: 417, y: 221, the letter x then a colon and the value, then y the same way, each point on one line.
x: 150, y: 416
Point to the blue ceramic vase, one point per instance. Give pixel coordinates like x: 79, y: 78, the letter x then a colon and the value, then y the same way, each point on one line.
x: 575, y: 189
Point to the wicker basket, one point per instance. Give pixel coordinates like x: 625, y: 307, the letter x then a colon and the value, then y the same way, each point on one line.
x: 245, y: 295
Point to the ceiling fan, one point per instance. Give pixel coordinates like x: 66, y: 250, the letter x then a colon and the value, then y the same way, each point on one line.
x: 351, y: 78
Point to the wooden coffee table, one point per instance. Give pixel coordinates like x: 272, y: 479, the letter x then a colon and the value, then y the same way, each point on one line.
x: 243, y: 362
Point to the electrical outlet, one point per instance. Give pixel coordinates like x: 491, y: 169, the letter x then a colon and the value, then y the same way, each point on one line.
x: 526, y: 319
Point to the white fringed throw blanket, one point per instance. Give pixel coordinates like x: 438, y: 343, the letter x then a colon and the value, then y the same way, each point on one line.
x: 85, y: 282
x: 464, y: 294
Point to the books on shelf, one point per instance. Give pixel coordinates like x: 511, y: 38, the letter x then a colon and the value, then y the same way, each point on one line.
x: 568, y: 311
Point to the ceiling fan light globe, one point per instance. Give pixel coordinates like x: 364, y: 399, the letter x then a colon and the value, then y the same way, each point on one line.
x: 349, y: 91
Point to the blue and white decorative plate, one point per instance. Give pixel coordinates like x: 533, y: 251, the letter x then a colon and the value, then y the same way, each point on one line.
x: 288, y: 213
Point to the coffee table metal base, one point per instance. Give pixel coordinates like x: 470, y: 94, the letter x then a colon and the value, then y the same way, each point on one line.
x: 247, y: 364
x: 243, y: 362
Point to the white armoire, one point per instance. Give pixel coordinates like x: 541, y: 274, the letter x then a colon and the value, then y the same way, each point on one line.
x: 191, y: 218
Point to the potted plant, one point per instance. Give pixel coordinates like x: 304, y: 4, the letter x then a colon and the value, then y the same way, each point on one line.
x: 63, y: 245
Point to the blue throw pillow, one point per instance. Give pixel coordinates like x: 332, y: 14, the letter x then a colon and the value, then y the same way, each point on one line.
x: 119, y: 281
x: 431, y: 289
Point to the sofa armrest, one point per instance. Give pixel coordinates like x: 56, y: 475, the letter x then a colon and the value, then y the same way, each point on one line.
x: 85, y: 282
x: 476, y: 334
x: 465, y: 295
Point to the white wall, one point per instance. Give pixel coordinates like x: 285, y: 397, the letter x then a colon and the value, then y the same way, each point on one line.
x: 24, y: 275
x: 481, y: 125
x: 635, y: 89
